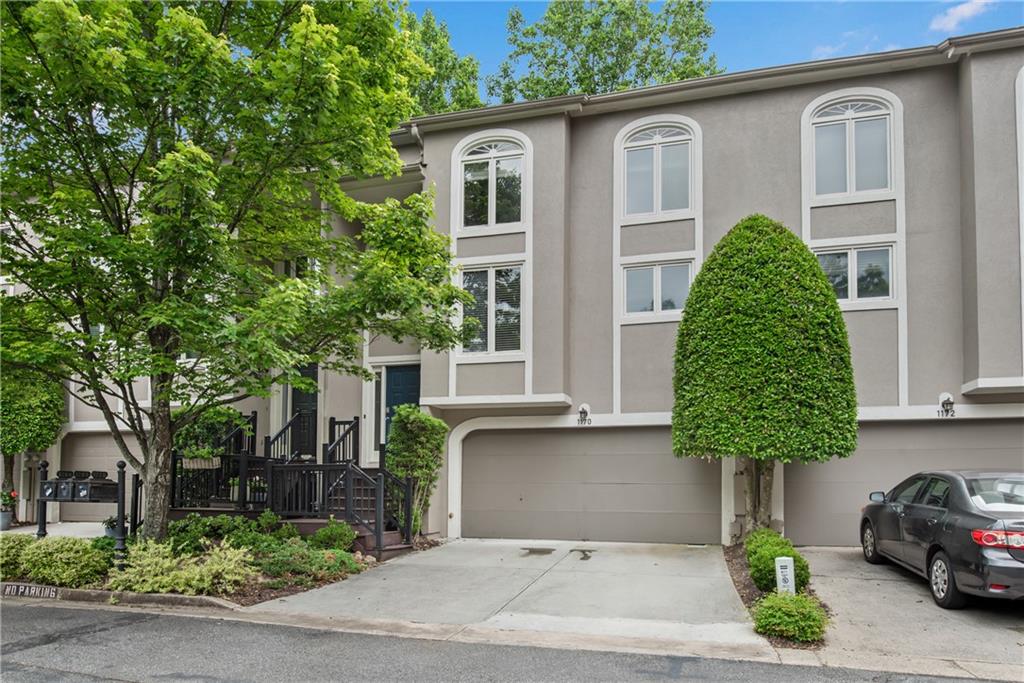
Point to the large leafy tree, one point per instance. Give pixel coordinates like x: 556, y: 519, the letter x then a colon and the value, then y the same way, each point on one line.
x: 162, y: 160
x: 31, y: 416
x: 453, y: 82
x: 598, y: 46
x: 762, y: 364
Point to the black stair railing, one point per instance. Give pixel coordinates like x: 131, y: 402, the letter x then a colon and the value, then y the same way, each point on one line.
x: 279, y: 446
x: 342, y: 440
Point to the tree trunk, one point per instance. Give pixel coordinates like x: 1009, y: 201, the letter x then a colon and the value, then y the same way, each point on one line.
x: 8, y: 479
x: 749, y: 494
x: 156, y: 473
x: 766, y: 480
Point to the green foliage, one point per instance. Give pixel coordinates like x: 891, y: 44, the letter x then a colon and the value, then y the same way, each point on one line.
x: 64, y: 561
x: 298, y: 562
x: 186, y: 535
x: 105, y: 544
x: 416, y: 449
x: 335, y: 535
x: 201, y: 437
x: 598, y: 46
x: 168, y: 159
x: 31, y: 415
x: 762, y: 547
x: 453, y: 81
x: 762, y: 363
x: 797, y: 617
x: 12, y: 546
x: 268, y: 521
x: 154, y: 568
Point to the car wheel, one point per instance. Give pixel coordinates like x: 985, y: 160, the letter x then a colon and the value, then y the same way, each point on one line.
x: 943, y: 583
x: 868, y: 544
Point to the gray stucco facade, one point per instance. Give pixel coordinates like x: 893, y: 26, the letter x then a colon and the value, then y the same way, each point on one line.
x: 520, y: 464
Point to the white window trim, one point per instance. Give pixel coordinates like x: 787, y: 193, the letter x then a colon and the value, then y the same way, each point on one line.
x: 458, y: 229
x: 852, y: 195
x: 853, y: 302
x: 490, y: 264
x: 658, y: 215
x: 897, y: 195
x: 657, y: 315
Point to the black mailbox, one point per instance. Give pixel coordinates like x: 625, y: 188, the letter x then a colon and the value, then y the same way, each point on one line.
x: 65, y: 489
x: 96, y: 491
x: 48, y: 490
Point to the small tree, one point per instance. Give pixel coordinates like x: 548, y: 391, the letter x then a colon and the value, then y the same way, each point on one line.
x: 416, y: 449
x: 454, y: 81
x: 762, y: 364
x: 31, y: 415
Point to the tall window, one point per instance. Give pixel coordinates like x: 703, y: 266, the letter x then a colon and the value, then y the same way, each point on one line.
x: 657, y: 162
x: 492, y: 184
x: 859, y: 274
x: 852, y: 147
x: 497, y: 308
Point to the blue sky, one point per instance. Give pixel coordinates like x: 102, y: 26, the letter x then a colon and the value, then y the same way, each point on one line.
x: 749, y: 35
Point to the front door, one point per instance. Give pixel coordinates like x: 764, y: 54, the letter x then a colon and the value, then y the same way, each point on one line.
x: 402, y: 385
x: 303, y: 437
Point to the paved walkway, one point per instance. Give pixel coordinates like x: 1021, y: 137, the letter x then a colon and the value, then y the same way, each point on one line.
x: 75, y: 529
x: 676, y: 595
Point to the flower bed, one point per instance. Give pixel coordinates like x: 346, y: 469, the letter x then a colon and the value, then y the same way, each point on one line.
x: 246, y: 561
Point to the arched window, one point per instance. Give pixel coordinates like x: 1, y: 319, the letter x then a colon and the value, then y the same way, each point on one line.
x: 492, y: 183
x: 657, y: 167
x: 852, y: 147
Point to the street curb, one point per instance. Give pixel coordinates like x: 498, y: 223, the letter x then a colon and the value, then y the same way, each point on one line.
x: 33, y: 591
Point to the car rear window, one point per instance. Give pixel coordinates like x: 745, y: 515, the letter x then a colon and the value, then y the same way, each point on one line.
x: 997, y: 494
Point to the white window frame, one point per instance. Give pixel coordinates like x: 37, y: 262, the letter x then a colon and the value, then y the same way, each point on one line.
x: 460, y: 159
x: 490, y: 355
x: 853, y: 302
x: 658, y: 216
x: 657, y: 315
x: 852, y: 194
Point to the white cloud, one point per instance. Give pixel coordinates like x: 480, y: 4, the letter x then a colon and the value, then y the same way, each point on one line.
x: 951, y: 19
x: 851, y: 42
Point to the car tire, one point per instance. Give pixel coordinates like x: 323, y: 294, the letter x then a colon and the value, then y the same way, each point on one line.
x: 869, y: 544
x: 942, y: 583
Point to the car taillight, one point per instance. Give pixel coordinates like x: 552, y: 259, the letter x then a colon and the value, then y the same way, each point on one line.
x: 997, y: 538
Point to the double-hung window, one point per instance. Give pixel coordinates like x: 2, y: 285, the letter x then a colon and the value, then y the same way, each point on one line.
x: 658, y: 289
x: 492, y: 184
x: 852, y: 148
x: 657, y: 173
x: 859, y: 274
x: 497, y: 308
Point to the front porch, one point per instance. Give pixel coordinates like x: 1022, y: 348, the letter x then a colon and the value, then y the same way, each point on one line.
x: 305, y: 490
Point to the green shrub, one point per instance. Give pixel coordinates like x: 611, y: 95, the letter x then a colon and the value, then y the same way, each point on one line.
x: 202, y: 437
x: 416, y: 449
x: 295, y: 560
x: 11, y: 548
x: 796, y: 617
x: 152, y: 567
x: 335, y: 535
x: 186, y: 535
x: 759, y: 537
x: 62, y: 561
x: 259, y: 542
x: 268, y: 521
x: 286, y: 531
x: 105, y: 544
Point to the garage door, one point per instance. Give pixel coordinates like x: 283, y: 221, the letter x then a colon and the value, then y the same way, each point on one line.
x: 587, y: 484
x: 90, y: 452
x: 823, y: 500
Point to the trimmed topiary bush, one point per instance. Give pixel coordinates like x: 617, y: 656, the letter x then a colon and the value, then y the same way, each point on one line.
x: 797, y: 617
x: 416, y: 449
x: 762, y: 362
x: 12, y: 546
x: 335, y: 535
x: 62, y: 561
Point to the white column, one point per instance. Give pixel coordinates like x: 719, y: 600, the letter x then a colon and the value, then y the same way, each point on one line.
x: 728, y: 498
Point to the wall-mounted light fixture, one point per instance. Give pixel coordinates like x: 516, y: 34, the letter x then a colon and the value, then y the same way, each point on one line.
x: 584, y: 412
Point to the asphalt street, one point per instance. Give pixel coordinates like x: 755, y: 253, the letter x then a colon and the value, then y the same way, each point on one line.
x: 43, y: 643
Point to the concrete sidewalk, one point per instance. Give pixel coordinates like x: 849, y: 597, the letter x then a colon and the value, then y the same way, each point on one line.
x: 676, y: 596
x: 73, y: 529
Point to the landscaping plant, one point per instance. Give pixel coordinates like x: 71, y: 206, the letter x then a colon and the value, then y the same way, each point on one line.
x: 334, y: 536
x: 201, y: 438
x: 153, y: 567
x: 64, y: 561
x: 762, y: 363
x: 32, y: 413
x: 762, y: 548
x: 797, y: 617
x: 416, y: 449
x: 12, y: 546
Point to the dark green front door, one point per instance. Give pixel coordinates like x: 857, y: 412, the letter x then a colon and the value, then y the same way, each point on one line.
x: 303, y: 437
x: 403, y: 386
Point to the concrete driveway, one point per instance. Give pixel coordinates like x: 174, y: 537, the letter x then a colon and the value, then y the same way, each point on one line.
x: 884, y: 612
x: 679, y: 598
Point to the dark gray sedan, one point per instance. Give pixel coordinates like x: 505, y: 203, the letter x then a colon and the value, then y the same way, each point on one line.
x: 962, y: 530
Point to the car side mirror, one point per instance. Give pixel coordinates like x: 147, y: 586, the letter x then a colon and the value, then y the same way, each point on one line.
x: 877, y: 497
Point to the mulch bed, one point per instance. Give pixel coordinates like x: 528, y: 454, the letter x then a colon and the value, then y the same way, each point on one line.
x: 257, y: 591
x: 736, y: 561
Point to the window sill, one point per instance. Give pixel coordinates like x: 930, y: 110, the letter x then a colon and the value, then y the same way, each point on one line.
x: 652, y: 318
x: 646, y: 219
x: 853, y: 198
x: 869, y: 305
x: 490, y: 230
x: 497, y: 357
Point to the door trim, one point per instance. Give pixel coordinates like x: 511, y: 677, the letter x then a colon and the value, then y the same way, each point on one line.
x: 367, y: 449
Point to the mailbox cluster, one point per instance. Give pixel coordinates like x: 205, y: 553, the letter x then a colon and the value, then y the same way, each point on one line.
x: 79, y: 487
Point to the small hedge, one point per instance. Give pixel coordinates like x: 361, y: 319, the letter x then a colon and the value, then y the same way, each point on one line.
x: 153, y: 567
x: 11, y: 548
x: 63, y: 561
x: 335, y: 536
x: 301, y: 564
x: 762, y: 547
x: 797, y: 617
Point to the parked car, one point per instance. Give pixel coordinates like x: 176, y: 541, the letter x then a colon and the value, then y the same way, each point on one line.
x: 961, y: 530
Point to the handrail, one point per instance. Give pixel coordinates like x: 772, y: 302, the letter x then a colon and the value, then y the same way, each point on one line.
x: 247, y: 429
x: 281, y: 441
x: 336, y: 444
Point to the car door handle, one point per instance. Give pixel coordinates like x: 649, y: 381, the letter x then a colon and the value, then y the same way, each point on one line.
x: 933, y: 520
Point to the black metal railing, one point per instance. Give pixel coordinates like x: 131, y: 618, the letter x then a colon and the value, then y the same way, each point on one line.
x: 241, y: 439
x: 239, y: 479
x: 284, y: 445
x: 342, y: 440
